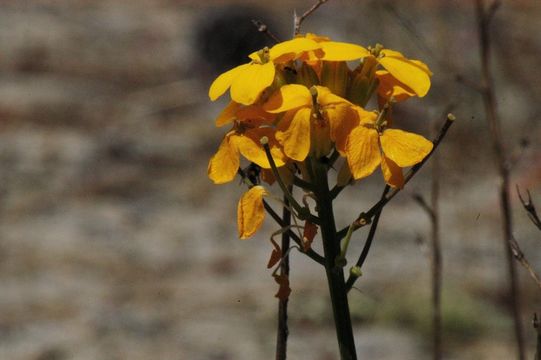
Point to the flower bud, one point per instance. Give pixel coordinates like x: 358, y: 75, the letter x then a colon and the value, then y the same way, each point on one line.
x: 356, y: 271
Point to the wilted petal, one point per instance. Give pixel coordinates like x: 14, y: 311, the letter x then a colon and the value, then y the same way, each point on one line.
x: 341, y: 51
x: 224, y: 81
x: 363, y: 153
x: 288, y: 97
x: 276, y: 254
x: 308, y: 235
x: 294, y: 133
x: 224, y: 164
x: 251, y: 81
x: 250, y: 211
x: 284, y: 290
x: 392, y: 173
x: 404, y: 148
x: 267, y: 176
x: 411, y: 73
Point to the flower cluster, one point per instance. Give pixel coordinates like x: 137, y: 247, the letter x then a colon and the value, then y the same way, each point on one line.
x: 303, y: 99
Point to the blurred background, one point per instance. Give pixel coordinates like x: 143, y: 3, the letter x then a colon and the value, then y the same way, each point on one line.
x: 115, y: 245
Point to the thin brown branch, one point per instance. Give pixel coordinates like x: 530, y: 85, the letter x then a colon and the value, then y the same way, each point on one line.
x: 298, y: 20
x: 424, y: 205
x: 530, y: 208
x: 519, y: 256
x: 366, y: 217
x: 436, y: 267
x: 469, y: 83
x: 264, y: 29
x: 484, y: 16
x: 537, y: 327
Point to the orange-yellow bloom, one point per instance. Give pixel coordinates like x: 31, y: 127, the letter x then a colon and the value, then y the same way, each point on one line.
x: 248, y: 81
x: 251, y: 211
x: 301, y: 125
x: 369, y: 146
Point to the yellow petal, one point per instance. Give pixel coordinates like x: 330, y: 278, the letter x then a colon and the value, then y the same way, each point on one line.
x: 255, y: 113
x: 224, y: 164
x: 294, y: 134
x: 404, y: 148
x: 224, y: 81
x: 389, y: 87
x: 325, y: 97
x: 250, y: 211
x: 291, y: 49
x: 363, y: 153
x: 342, y: 120
x: 228, y: 115
x: 366, y: 117
x: 423, y: 66
x: 288, y: 97
x: 251, y: 81
x: 250, y: 147
x: 392, y: 173
x: 341, y: 51
x: 409, y: 72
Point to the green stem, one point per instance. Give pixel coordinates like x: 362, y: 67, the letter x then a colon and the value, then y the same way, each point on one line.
x: 335, y: 274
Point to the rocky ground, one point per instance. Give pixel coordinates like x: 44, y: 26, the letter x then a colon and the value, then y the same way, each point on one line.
x: 115, y: 245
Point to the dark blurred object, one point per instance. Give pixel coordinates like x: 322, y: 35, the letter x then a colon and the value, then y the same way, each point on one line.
x: 227, y: 35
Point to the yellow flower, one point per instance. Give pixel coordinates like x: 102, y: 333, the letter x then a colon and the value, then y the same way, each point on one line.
x: 250, y: 124
x: 251, y: 211
x: 370, y: 145
x: 301, y: 124
x: 248, y: 81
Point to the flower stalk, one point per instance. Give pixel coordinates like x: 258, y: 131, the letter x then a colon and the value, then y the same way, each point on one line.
x: 335, y: 274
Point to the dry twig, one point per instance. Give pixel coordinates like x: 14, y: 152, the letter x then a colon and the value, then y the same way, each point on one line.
x: 263, y: 28
x: 484, y: 16
x: 530, y: 208
x: 298, y: 20
x: 519, y: 255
